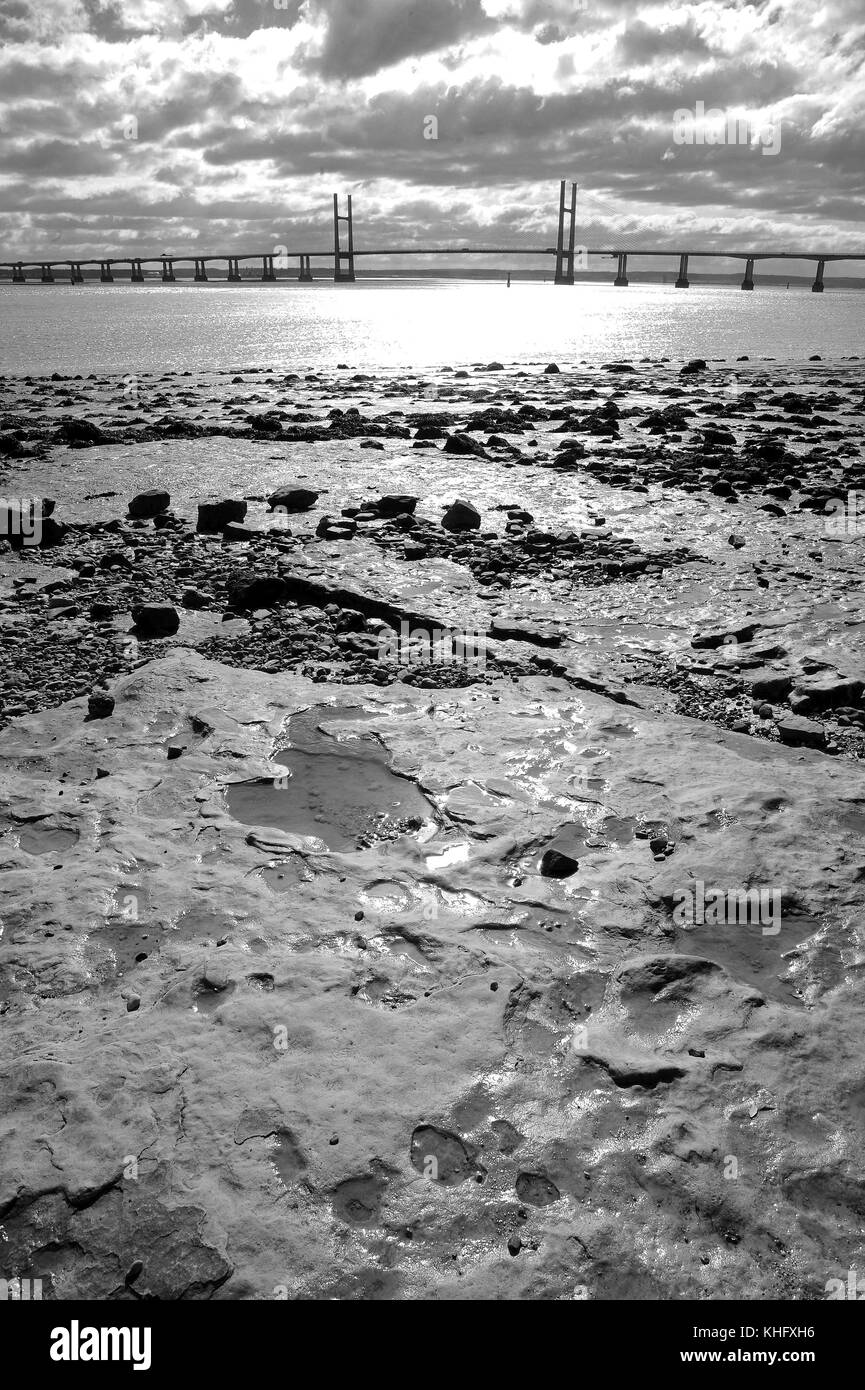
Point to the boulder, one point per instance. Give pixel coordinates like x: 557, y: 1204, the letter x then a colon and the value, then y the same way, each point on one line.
x: 236, y: 531
x: 798, y: 732
x: 155, y: 619
x: 742, y: 632
x: 213, y: 517
x: 771, y: 685
x: 330, y: 529
x: 828, y: 691
x: 260, y: 592
x: 558, y: 863
x: 291, y: 498
x: 100, y: 705
x: 194, y: 598
x: 464, y: 444
x: 461, y: 516
x: 396, y: 503
x: 81, y: 432
x: 150, y: 503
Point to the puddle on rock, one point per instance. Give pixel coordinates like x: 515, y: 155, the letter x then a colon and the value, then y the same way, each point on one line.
x: 39, y: 837
x: 341, y: 791
x: 287, y: 874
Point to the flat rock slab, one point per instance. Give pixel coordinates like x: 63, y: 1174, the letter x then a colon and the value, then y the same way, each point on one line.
x: 424, y: 1034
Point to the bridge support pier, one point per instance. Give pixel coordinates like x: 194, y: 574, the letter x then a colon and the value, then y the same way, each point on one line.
x: 683, y: 283
x: 137, y: 276
x: 622, y: 273
x: 47, y: 275
x: 105, y: 275
x: 18, y: 276
x: 167, y: 271
x: 200, y: 270
x: 233, y: 269
x: 340, y: 275
x: 267, y: 270
x: 748, y: 282
x: 565, y: 257
x: 817, y: 287
x: 305, y: 269
x: 76, y: 275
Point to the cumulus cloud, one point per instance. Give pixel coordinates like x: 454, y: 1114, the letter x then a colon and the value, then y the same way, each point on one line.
x: 362, y: 36
x: 190, y: 122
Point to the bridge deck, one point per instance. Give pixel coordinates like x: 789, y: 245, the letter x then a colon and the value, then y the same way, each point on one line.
x: 449, y: 251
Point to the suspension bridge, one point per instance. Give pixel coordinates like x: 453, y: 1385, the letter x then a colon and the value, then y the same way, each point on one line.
x: 343, y: 254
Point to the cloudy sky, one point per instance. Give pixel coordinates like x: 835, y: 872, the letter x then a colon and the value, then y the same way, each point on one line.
x: 178, y: 125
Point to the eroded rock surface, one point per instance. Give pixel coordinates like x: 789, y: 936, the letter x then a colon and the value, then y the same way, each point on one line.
x: 417, y: 1067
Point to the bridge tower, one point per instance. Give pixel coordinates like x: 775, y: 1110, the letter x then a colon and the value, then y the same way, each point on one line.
x: 748, y: 282
x: 565, y: 258
x: 346, y: 276
x: 817, y: 287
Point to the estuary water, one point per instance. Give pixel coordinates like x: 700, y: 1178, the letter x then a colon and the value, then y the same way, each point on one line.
x: 402, y: 324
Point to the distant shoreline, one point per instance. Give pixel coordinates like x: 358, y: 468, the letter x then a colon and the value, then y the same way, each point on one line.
x: 603, y: 277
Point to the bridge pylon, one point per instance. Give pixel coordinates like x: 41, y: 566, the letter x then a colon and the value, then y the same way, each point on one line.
x: 565, y: 257
x: 345, y: 276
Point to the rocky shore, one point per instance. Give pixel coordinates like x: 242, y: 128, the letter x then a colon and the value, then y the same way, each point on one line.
x: 325, y: 972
